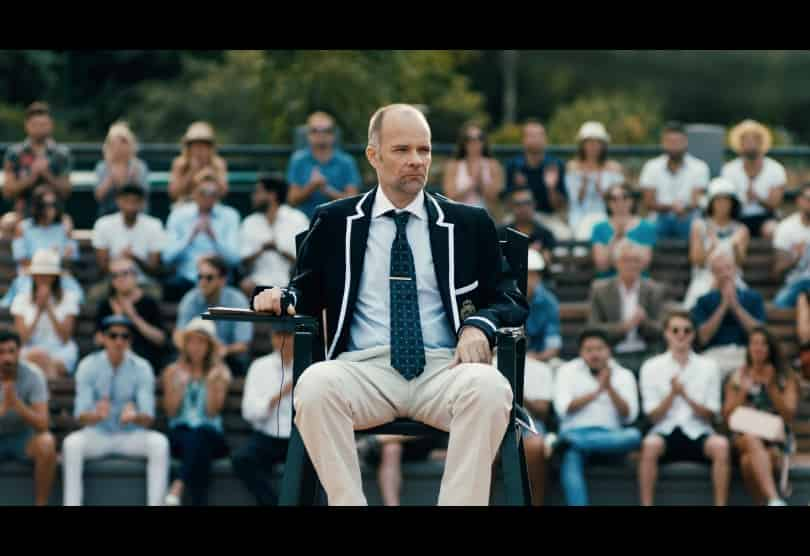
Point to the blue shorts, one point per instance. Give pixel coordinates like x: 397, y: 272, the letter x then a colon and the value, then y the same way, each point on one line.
x: 12, y: 446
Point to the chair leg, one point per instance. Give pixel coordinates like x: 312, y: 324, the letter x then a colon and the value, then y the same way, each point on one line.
x: 515, y: 474
x: 300, y: 485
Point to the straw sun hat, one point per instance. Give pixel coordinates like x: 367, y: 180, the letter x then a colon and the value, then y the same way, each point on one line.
x: 749, y: 126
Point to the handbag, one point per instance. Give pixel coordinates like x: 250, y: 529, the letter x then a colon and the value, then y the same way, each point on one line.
x: 758, y: 423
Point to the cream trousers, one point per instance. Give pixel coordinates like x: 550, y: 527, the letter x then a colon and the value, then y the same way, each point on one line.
x: 360, y: 390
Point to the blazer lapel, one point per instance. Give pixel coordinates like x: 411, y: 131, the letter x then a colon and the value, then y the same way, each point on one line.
x: 442, y: 247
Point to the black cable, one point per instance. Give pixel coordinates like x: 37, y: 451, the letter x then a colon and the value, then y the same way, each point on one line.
x: 280, y: 388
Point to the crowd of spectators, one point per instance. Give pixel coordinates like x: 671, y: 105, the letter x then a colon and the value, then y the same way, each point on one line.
x: 651, y: 378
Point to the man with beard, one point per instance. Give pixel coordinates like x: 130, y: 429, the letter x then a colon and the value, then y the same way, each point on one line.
x: 37, y: 160
x: 791, y: 242
x: 673, y: 183
x: 760, y: 180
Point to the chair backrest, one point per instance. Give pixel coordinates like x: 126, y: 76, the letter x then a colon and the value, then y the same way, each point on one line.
x: 516, y: 251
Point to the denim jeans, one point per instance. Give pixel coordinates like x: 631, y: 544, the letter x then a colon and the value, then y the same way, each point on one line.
x: 197, y: 448
x: 582, y: 443
x: 670, y: 225
x: 788, y: 296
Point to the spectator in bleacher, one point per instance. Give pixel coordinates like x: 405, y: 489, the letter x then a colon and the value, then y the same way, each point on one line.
x: 543, y: 339
x: 267, y: 237
x: 194, y: 393
x: 213, y: 291
x: 721, y: 229
x: 803, y: 332
x: 725, y: 315
x: 523, y: 218
x: 128, y: 233
x: 267, y: 406
x: 44, y: 229
x: 128, y: 299
x: 321, y: 172
x: 45, y: 317
x: 680, y: 394
x: 628, y: 308
x: 673, y: 184
x: 474, y: 177
x: 24, y: 416
x: 622, y: 222
x: 760, y: 180
x: 121, y: 166
x: 765, y: 383
x: 596, y: 399
x: 37, y: 160
x: 792, y: 244
x: 588, y: 177
x: 199, y: 228
x: 198, y: 161
x: 115, y: 405
x: 544, y: 175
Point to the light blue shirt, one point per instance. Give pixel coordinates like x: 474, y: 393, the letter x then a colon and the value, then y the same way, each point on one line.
x: 133, y: 381
x: 42, y: 237
x: 192, y: 412
x: 184, y: 251
x: 371, y: 326
x: 193, y: 304
x: 339, y: 171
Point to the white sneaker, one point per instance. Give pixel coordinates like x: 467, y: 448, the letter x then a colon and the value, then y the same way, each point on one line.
x: 777, y: 502
x: 171, y: 500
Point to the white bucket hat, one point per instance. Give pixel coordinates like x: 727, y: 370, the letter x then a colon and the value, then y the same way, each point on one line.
x: 45, y: 261
x: 721, y: 186
x: 197, y: 324
x: 593, y: 130
x: 536, y: 262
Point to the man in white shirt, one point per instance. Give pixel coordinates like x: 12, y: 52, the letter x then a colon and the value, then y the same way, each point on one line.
x: 760, y: 180
x: 673, y: 183
x: 791, y: 242
x: 680, y: 393
x: 267, y: 237
x: 596, y: 401
x: 267, y: 405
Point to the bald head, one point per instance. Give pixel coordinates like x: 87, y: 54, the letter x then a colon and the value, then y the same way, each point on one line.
x: 392, y: 111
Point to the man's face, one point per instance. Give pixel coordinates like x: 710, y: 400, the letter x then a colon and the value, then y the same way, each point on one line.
x: 261, y: 198
x: 209, y: 279
x: 804, y: 202
x: 9, y: 357
x: 321, y: 133
x: 206, y: 196
x: 534, y: 137
x: 403, y: 159
x: 122, y: 274
x: 679, y: 334
x: 595, y: 352
x: 751, y: 145
x: 522, y: 205
x: 39, y: 128
x: 722, y: 269
x: 116, y: 340
x: 674, y: 144
x: 129, y: 204
x: 628, y: 265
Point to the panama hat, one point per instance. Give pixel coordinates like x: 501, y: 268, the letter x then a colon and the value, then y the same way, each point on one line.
x: 45, y: 261
x: 200, y: 326
x: 593, y: 130
x: 199, y: 131
x: 749, y: 126
x: 721, y: 186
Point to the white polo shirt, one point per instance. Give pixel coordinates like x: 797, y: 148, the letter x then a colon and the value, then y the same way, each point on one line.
x: 772, y: 175
x: 574, y: 379
x: 671, y: 187
x: 791, y: 231
x: 263, y: 381
x: 701, y: 381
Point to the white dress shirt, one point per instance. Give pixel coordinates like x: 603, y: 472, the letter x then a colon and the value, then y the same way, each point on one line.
x: 772, y: 175
x: 631, y: 342
x: 669, y: 186
x: 271, y: 267
x: 371, y: 325
x: 263, y: 381
x: 701, y: 381
x: 574, y: 379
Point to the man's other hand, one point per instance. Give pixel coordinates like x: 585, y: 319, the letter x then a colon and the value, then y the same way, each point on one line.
x: 473, y: 347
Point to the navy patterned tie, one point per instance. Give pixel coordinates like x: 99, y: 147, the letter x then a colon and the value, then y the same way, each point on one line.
x: 407, y: 347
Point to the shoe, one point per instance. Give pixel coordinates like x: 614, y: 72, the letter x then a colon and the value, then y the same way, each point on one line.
x: 171, y: 500
x: 777, y: 502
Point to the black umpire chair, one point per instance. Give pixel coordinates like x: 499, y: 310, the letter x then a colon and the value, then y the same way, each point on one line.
x: 300, y: 484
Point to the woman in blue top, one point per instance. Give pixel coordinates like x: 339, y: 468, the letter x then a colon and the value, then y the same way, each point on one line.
x: 622, y: 222
x: 45, y: 229
x: 194, y: 391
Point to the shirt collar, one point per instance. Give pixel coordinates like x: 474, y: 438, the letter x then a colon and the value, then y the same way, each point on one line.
x: 123, y: 364
x: 634, y: 289
x: 383, y: 204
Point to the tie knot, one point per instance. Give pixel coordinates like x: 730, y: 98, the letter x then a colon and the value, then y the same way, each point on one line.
x: 400, y: 218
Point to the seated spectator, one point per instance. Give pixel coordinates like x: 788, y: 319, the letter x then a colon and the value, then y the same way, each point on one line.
x: 725, y: 315
x: 128, y: 299
x: 673, y: 184
x: 45, y: 318
x: 235, y: 336
x: 721, y: 229
x: 765, y: 383
x: 36, y: 161
x: 194, y: 393
x: 596, y: 400
x: 194, y: 229
x: 544, y: 175
x: 680, y: 393
x: 198, y: 160
x: 628, y: 308
x: 803, y: 332
x: 543, y: 339
x: 115, y: 405
x: 121, y: 166
x: 523, y: 218
x: 45, y: 229
x: 24, y: 416
x: 267, y: 237
x: 760, y: 180
x: 791, y: 241
x: 622, y: 222
x: 267, y: 406
x: 321, y: 172
x: 588, y: 177
x: 474, y: 177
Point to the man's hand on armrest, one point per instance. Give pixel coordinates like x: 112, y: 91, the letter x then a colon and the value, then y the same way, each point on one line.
x: 269, y: 301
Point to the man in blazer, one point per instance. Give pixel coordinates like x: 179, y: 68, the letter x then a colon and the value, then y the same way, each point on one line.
x: 414, y: 287
x: 628, y: 308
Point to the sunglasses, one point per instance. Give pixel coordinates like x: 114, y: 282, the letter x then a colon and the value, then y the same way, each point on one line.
x: 121, y: 274
x: 618, y: 197
x: 321, y: 130
x: 686, y: 330
x: 523, y: 203
x: 473, y: 138
x: 118, y: 335
x: 49, y: 205
x: 208, y: 277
